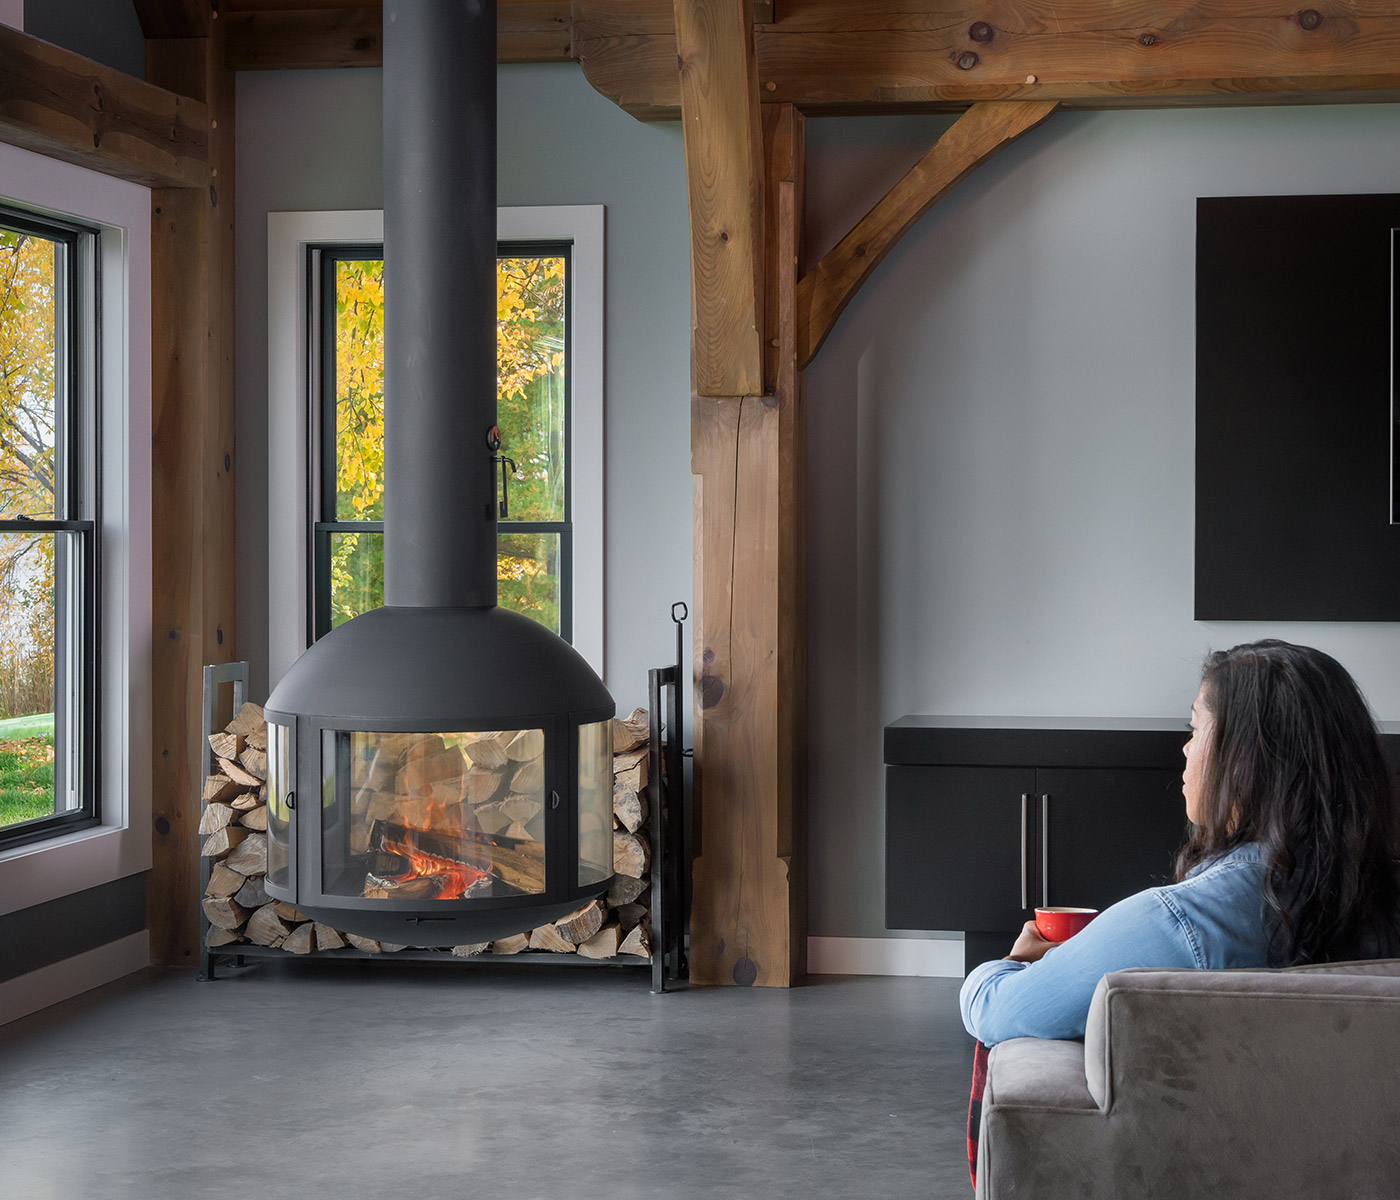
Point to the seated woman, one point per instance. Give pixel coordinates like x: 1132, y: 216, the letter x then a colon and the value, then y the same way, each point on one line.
x: 1292, y: 856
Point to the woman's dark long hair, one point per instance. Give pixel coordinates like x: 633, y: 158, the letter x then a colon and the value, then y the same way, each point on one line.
x: 1294, y: 763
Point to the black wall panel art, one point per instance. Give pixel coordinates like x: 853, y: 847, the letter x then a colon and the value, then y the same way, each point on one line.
x: 1297, y: 508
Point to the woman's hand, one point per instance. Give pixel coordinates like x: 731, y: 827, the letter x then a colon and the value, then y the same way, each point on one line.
x: 1030, y: 946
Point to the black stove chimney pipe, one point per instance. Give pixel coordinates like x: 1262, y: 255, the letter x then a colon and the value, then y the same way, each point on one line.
x: 440, y: 302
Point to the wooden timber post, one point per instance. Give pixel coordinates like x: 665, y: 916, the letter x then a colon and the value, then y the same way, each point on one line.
x: 192, y: 463
x: 748, y: 917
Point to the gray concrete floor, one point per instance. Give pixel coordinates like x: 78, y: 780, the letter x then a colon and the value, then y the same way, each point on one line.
x: 379, y: 1081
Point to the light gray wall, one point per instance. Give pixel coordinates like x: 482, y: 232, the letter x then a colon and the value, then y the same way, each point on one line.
x: 1002, y: 440
x: 311, y: 140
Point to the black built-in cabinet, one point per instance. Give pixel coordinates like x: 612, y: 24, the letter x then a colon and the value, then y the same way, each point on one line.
x: 988, y: 817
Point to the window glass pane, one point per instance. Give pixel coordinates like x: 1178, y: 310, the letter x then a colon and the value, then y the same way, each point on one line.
x: 434, y: 816
x: 527, y: 575
x: 357, y: 574
x: 31, y: 285
x: 359, y: 390
x: 530, y: 384
x: 595, y: 803
x: 29, y: 576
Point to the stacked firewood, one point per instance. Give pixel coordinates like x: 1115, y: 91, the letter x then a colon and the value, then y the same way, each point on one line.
x: 234, y: 829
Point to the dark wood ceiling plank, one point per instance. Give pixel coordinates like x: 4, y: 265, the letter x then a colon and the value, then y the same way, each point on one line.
x: 71, y: 108
x: 942, y: 55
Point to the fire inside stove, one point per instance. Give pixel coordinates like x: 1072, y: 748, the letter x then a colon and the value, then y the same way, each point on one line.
x: 452, y: 816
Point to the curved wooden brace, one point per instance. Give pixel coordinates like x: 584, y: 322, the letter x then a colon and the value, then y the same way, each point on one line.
x: 980, y: 132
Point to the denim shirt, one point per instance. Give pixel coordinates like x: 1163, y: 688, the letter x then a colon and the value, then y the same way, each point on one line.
x: 1212, y: 919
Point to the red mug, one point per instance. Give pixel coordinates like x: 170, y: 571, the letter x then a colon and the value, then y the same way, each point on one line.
x: 1061, y: 924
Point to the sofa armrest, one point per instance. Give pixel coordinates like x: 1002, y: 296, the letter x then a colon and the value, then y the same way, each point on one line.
x: 1190, y: 1023
x: 1035, y: 1073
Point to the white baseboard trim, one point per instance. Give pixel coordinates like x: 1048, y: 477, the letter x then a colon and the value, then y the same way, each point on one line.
x: 71, y: 977
x: 937, y: 957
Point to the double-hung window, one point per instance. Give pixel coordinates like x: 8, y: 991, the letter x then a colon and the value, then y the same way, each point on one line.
x: 535, y: 543
x: 326, y: 422
x: 48, y: 524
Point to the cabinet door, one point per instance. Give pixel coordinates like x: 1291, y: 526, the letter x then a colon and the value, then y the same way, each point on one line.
x: 953, y: 847
x: 1109, y: 833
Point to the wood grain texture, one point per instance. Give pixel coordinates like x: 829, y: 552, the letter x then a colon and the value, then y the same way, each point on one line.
x: 724, y: 186
x: 192, y: 480
x: 829, y: 56
x: 71, y: 108
x: 979, y: 133
x: 268, y: 35
x: 173, y: 18
x: 748, y: 919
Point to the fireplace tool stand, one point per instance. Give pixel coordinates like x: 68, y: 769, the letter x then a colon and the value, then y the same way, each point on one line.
x: 670, y: 863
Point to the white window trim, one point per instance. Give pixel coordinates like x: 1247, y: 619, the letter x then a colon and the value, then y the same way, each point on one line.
x: 121, y: 844
x: 291, y: 403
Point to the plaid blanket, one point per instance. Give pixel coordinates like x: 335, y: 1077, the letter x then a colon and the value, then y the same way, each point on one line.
x: 974, y: 1108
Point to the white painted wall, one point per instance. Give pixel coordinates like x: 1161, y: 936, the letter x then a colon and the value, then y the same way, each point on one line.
x: 311, y: 140
x: 12, y: 13
x: 1002, y: 440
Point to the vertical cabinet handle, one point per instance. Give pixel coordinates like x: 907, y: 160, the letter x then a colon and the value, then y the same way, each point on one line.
x: 1045, y: 850
x: 1025, y: 850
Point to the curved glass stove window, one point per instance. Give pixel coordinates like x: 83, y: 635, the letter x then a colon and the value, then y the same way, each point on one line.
x: 279, y: 816
x: 433, y: 816
x: 595, y: 803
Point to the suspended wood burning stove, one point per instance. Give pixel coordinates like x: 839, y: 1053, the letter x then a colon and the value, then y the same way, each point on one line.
x: 439, y: 769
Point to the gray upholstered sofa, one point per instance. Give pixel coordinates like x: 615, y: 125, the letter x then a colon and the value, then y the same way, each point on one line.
x: 1239, y: 1084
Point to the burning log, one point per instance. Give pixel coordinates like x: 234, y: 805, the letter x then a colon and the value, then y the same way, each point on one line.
x: 509, y: 864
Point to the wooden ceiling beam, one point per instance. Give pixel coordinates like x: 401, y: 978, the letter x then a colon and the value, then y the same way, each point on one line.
x: 823, y: 293
x: 71, y: 108
x: 831, y: 56
x: 276, y: 35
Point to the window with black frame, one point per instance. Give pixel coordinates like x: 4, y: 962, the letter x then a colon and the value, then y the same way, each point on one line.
x: 534, y: 547
x: 48, y: 541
